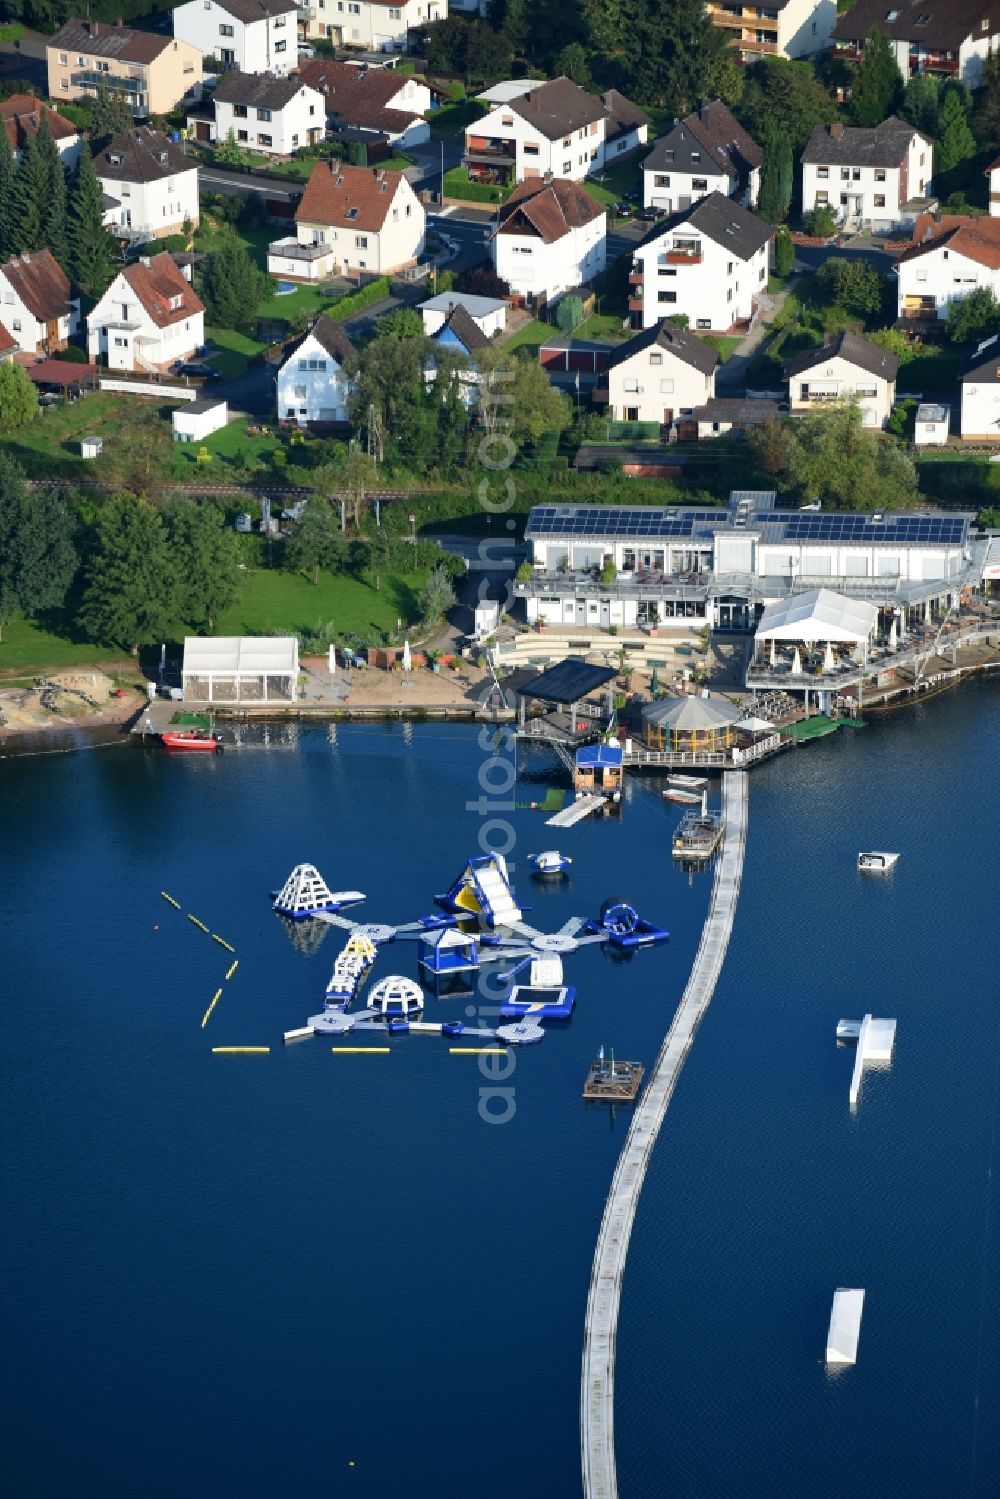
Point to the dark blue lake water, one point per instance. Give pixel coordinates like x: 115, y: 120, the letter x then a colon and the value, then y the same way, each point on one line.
x: 242, y: 1275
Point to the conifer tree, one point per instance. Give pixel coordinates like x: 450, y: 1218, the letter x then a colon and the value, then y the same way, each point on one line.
x: 91, y: 249
x: 956, y: 143
x: 878, y: 87
x: 8, y: 244
x: 28, y: 196
x: 53, y: 204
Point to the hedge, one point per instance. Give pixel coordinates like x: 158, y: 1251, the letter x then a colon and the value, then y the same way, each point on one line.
x: 458, y: 185
x: 356, y: 300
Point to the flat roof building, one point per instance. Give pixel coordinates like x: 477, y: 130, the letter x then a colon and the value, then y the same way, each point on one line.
x: 240, y: 668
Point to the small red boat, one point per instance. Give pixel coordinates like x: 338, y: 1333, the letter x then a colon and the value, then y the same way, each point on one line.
x: 190, y: 739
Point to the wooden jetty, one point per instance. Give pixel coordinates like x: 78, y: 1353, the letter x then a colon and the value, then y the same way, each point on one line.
x: 614, y: 1082
x: 597, y: 1382
x: 575, y: 811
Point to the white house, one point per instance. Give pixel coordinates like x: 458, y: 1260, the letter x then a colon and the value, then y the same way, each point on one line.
x: 149, y: 317
x: 710, y: 264
x: 153, y: 184
x: 274, y: 116
x: 313, y: 384
x: 950, y: 38
x: 20, y: 117
x: 256, y: 36
x: 950, y: 256
x: 707, y: 152
x: 846, y: 368
x: 551, y: 237
x: 660, y: 375
x: 980, y: 419
x: 352, y: 221
x: 993, y: 173
x: 376, y: 102
x: 462, y: 336
x: 488, y: 313
x: 370, y: 25
x: 199, y: 419
x: 775, y: 28
x: 555, y: 128
x: 878, y: 177
x: 36, y: 304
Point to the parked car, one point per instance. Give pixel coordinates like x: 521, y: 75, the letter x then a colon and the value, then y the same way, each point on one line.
x: 623, y: 210
x: 306, y: 50
x: 196, y: 369
x: 649, y: 214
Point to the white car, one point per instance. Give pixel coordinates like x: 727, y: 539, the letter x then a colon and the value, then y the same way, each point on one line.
x: 306, y: 50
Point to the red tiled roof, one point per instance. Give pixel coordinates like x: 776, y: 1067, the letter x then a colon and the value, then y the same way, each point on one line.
x: 976, y: 239
x: 7, y: 343
x: 61, y: 372
x: 158, y: 284
x: 23, y: 113
x: 348, y: 197
x: 359, y: 96
x: 101, y: 39
x: 549, y: 209
x: 41, y: 283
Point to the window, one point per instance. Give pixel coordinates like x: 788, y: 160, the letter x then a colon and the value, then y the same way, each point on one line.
x: 660, y: 180
x: 280, y: 46
x: 241, y: 135
x: 395, y: 14
x: 227, y: 30
x: 265, y: 115
x: 125, y: 307
x: 822, y: 197
x: 656, y: 358
x: 239, y: 111
x: 703, y: 322
x: 568, y: 140
x: 295, y: 140
x: 279, y: 22
x: 729, y: 268
x: 317, y: 364
x: 64, y: 84
x: 631, y: 386
x: 351, y: 213
x: 361, y: 241
x: 15, y: 326
x: 265, y: 140
x: 666, y: 296
x: 175, y: 301
x: 696, y: 156
x: 507, y: 121
x: 354, y: 10
x: 126, y: 190
x: 921, y: 275
x: 567, y: 166
x: 880, y: 174
x: 855, y: 174
x: 843, y: 200
x: 880, y: 200
x: 63, y: 59
x: 121, y: 343
x: 530, y: 150
x: 666, y: 387
x: 845, y: 174
x: 699, y: 184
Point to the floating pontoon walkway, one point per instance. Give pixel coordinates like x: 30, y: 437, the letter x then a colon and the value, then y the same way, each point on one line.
x: 597, y: 1384
x: 575, y: 812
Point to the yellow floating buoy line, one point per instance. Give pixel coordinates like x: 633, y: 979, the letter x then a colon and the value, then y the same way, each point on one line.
x: 232, y: 967
x: 215, y: 1001
x: 222, y: 942
x: 199, y: 924
x: 169, y: 898
x: 357, y: 1051
x: 478, y: 1051
x: 243, y: 1051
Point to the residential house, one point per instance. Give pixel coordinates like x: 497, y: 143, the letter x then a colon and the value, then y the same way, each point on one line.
x: 153, y: 185
x: 352, y: 221
x: 153, y: 72
x: 371, y: 102
x: 980, y: 418
x: 950, y: 38
x: 724, y: 414
x: 950, y: 256
x: 273, y: 116
x: 551, y: 237
x: 555, y: 128
x: 488, y: 313
x: 878, y: 177
x: 707, y: 152
x: 660, y: 375
x: 313, y: 383
x: 149, y: 317
x: 36, y: 304
x: 20, y: 117
x: 369, y: 25
x: 775, y: 28
x: 709, y: 264
x: 848, y: 367
x: 993, y: 173
x: 462, y: 336
x: 9, y: 345
x: 256, y: 36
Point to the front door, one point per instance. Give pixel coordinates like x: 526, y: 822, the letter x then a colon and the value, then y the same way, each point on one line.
x: 668, y: 416
x: 52, y: 335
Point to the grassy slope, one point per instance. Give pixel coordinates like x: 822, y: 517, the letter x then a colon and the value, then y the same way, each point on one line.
x: 279, y: 600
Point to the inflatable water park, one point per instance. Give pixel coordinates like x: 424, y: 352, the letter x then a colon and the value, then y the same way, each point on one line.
x: 478, y: 922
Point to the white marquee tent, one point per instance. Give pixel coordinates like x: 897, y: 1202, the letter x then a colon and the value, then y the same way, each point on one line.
x: 819, y: 616
x: 240, y: 668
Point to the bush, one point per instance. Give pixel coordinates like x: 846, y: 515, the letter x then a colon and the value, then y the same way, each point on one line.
x: 784, y: 252
x: 72, y: 353
x: 457, y: 184
x: 165, y: 245
x: 356, y: 300
x: 901, y: 417
x: 820, y: 222
x: 454, y: 92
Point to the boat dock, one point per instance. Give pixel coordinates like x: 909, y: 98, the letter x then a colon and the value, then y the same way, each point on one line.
x: 575, y: 811
x: 845, y: 1327
x: 597, y: 1381
x: 875, y: 1042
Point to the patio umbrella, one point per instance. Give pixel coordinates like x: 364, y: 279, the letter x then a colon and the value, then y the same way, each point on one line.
x: 796, y: 664
x: 893, y: 634
x: 654, y: 684
x: 331, y: 664
x: 407, y: 663
x: 774, y: 651
x: 828, y: 663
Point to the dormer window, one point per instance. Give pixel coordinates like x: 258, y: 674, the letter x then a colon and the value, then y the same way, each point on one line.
x: 893, y: 15
x: 352, y: 213
x: 175, y: 301
x: 921, y: 21
x: 115, y: 159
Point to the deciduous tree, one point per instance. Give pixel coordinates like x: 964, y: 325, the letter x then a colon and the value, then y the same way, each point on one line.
x: 973, y: 317
x: 853, y: 284
x: 37, y: 555
x: 18, y: 398
x: 233, y: 286
x: 206, y: 559
x: 831, y: 456
x: 785, y: 96
x: 316, y: 543
x: 131, y: 587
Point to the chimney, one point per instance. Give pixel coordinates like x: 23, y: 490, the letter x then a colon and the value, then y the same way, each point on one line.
x: 836, y: 130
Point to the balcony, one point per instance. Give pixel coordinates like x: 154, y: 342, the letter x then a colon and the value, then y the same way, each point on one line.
x: 90, y: 78
x: 750, y: 44
x: 635, y: 304
x: 290, y: 249
x: 727, y: 18
x: 682, y: 257
x: 478, y: 148
x: 635, y: 278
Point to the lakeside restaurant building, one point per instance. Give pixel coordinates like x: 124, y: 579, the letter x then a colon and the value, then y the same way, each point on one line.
x: 684, y: 568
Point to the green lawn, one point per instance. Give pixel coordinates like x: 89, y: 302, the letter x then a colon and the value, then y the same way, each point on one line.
x: 531, y: 335
x: 601, y: 325
x: 286, y: 601
x: 50, y: 446
x: 934, y: 369
x: 29, y: 649
x: 233, y: 351
x: 448, y: 123
x: 304, y: 301
x: 722, y: 343
x: 11, y: 31
x: 614, y: 182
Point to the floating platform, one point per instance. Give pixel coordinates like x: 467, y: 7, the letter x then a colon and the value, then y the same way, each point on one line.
x: 615, y: 1082
x: 845, y: 1327
x: 575, y: 811
x: 875, y: 1042
x: 624, y: 929
x: 698, y: 835
x: 305, y: 893
x: 528, y: 1001
x: 550, y: 862
x: 445, y: 950
x: 523, y: 1033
